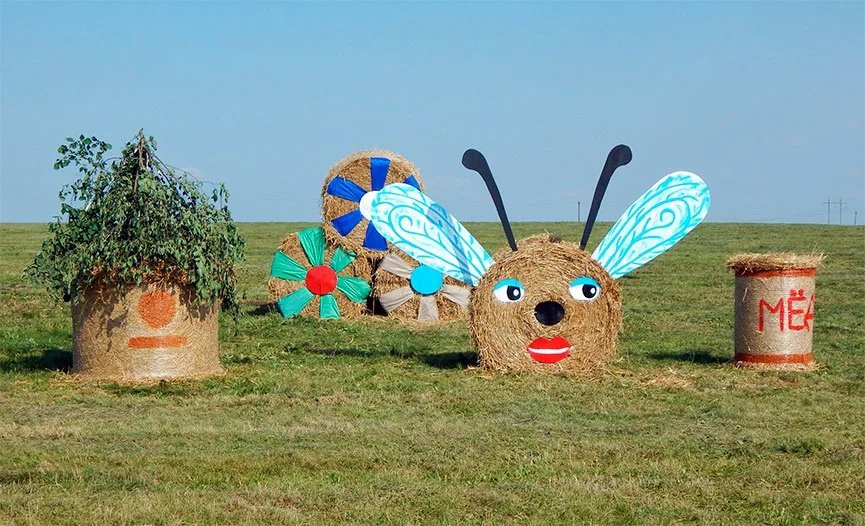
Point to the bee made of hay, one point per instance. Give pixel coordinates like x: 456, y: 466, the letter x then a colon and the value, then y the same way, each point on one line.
x: 544, y: 304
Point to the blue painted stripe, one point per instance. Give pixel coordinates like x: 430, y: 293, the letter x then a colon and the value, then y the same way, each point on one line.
x: 378, y: 167
x: 340, y: 187
x: 374, y: 240
x: 410, y: 180
x: 345, y: 223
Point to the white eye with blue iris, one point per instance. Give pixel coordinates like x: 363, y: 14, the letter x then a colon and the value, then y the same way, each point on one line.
x: 508, y: 291
x: 584, y: 289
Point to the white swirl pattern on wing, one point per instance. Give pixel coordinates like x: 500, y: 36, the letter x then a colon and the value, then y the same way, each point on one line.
x: 427, y: 232
x: 654, y: 223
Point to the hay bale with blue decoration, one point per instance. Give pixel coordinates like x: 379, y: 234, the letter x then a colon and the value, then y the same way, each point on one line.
x: 349, y: 189
x: 309, y: 277
x: 410, y: 291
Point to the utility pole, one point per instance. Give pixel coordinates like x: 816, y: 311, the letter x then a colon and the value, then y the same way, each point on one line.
x: 828, y: 210
x: 578, y: 212
x: 840, y: 207
x: 855, y: 214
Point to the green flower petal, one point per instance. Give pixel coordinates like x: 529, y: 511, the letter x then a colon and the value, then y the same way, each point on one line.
x: 313, y: 243
x: 292, y: 304
x: 328, y: 307
x: 286, y: 268
x: 341, y: 259
x: 356, y: 289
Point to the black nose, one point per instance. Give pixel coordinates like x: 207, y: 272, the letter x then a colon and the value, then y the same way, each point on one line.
x: 549, y: 312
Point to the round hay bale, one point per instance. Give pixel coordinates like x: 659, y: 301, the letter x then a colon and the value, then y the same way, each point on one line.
x: 411, y: 292
x: 312, y: 277
x: 774, y: 310
x: 140, y: 333
x: 547, y: 329
x: 348, y: 190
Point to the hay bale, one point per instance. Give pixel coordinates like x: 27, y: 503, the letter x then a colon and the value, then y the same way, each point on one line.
x: 347, y: 191
x: 411, y: 292
x: 141, y: 333
x: 345, y: 287
x: 503, y: 332
x: 774, y: 310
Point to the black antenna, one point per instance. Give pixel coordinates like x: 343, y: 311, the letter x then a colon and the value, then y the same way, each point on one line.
x: 618, y: 156
x: 475, y: 160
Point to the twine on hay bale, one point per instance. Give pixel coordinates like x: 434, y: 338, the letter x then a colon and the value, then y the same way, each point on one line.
x: 502, y: 331
x: 347, y: 192
x: 142, y: 333
x: 411, y: 292
x: 314, y: 278
x: 774, y: 310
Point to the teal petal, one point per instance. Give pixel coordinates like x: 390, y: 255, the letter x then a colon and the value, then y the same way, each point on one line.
x: 328, y: 307
x: 292, y: 304
x: 356, y: 289
x: 286, y: 268
x: 313, y: 243
x: 341, y: 259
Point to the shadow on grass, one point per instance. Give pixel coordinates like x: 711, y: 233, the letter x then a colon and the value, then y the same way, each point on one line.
x: 45, y: 360
x: 448, y: 360
x: 700, y: 356
x: 263, y: 309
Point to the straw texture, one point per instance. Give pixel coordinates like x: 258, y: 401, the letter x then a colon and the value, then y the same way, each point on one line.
x: 356, y: 168
x: 751, y: 263
x: 774, y: 310
x: 545, y: 267
x: 132, y: 333
x: 392, y: 289
x: 279, y: 288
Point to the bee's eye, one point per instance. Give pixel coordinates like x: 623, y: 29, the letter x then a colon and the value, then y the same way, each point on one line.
x: 584, y: 289
x: 508, y: 291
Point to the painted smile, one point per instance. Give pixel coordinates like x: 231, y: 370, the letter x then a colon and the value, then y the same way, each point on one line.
x: 545, y: 350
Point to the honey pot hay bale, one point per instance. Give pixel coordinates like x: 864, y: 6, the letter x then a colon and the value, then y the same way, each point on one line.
x: 347, y: 194
x: 503, y: 332
x: 774, y: 310
x: 411, y: 292
x: 312, y: 277
x: 141, y: 333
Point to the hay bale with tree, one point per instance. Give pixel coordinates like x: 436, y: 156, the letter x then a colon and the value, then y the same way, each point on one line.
x: 348, y: 190
x: 145, y: 258
x: 311, y: 277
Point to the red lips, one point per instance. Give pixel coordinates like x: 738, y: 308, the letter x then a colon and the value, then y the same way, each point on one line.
x: 545, y: 350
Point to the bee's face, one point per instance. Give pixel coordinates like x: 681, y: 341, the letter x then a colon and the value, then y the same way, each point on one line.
x: 548, y: 305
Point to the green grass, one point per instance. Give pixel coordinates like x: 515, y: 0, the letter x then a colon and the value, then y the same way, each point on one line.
x: 372, y: 422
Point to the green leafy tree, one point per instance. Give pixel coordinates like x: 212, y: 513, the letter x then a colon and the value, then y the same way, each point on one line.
x: 133, y: 219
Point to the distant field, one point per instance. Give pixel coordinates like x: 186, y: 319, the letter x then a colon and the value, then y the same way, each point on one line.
x: 377, y: 423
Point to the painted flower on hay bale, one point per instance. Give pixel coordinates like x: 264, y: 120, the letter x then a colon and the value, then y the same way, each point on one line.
x: 413, y: 291
x: 315, y: 278
x: 349, y: 190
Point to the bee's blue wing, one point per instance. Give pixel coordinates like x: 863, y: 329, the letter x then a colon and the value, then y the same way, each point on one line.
x: 426, y: 231
x: 654, y: 223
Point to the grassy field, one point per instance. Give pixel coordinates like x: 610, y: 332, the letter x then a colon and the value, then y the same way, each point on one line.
x: 378, y: 423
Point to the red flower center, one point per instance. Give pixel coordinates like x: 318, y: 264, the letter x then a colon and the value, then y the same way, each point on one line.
x: 321, y: 280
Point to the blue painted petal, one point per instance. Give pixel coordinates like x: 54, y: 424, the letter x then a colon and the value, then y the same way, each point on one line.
x: 412, y: 181
x: 340, y: 187
x: 378, y: 167
x: 345, y: 223
x: 374, y: 240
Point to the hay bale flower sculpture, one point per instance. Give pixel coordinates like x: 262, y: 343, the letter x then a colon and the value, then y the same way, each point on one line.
x: 349, y: 188
x: 145, y: 259
x: 299, y: 275
x: 407, y: 290
x: 544, y: 304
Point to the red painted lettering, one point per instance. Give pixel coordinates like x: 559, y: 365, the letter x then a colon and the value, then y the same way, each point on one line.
x: 809, y: 313
x: 795, y: 297
x: 777, y: 309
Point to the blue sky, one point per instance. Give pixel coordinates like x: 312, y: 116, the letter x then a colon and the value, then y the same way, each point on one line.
x: 766, y: 101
